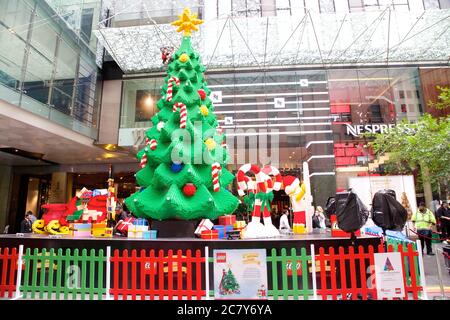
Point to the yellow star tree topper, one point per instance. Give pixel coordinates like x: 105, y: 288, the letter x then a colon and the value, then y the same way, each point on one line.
x: 187, y: 22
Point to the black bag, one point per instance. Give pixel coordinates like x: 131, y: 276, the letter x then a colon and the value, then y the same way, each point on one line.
x: 351, y: 213
x: 330, y: 207
x: 387, y: 212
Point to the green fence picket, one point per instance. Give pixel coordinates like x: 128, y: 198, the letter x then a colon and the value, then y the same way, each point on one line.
x: 293, y: 258
x: 67, y: 258
x: 50, y: 273
x: 273, y: 259
x: 35, y: 259
x: 305, y: 272
x: 42, y: 272
x: 59, y: 284
x: 101, y: 260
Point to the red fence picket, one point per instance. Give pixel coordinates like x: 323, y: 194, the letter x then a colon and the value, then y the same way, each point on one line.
x: 8, y: 268
x: 161, y: 276
x: 338, y: 273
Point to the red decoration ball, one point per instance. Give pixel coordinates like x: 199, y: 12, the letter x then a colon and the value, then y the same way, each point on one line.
x: 202, y: 94
x: 189, y: 189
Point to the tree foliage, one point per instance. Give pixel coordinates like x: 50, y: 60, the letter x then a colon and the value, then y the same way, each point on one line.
x: 443, y: 99
x: 425, y: 143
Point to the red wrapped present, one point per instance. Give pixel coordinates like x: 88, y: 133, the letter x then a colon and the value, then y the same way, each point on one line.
x: 210, y: 234
x: 227, y: 219
x: 123, y: 225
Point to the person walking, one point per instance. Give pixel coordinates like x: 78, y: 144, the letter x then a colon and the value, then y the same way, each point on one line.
x: 423, y: 220
x: 443, y: 216
x: 25, y: 225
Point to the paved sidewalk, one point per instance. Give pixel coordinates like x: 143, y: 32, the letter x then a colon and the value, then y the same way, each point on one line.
x: 433, y: 284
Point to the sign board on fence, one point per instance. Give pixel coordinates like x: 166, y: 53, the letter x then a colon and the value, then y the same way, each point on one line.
x: 240, y: 274
x: 389, y: 275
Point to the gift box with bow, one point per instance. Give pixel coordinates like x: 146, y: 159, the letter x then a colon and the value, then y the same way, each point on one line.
x: 227, y: 219
x: 210, y: 234
x: 123, y: 225
x: 204, y: 225
x: 222, y: 229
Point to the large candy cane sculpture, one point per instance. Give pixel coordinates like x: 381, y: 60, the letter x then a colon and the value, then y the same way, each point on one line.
x: 263, y: 198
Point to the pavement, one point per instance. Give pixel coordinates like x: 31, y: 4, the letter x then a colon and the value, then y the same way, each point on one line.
x: 434, y: 285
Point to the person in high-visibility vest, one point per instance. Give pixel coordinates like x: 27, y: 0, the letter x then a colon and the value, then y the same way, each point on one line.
x: 423, y: 220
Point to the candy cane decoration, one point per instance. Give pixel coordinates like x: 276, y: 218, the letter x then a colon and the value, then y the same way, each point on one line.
x: 215, y: 168
x: 147, y: 141
x: 219, y: 130
x: 183, y: 113
x: 272, y: 171
x: 170, y: 87
x: 143, y: 161
x: 241, y: 177
x: 153, y: 144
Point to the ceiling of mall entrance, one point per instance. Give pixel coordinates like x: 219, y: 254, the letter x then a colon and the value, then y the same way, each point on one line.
x: 135, y: 35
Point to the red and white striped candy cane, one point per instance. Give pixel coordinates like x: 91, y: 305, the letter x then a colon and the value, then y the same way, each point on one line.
x: 272, y: 171
x: 170, y: 87
x: 183, y: 113
x: 153, y: 144
x: 241, y: 174
x: 143, y: 161
x: 219, y: 130
x: 147, y: 141
x: 215, y: 168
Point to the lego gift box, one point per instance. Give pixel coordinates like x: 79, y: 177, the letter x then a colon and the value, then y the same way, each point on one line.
x: 149, y: 234
x: 223, y: 229
x: 210, y: 234
x: 136, y: 231
x: 81, y: 229
x: 239, y: 224
x: 227, y: 219
x: 204, y: 225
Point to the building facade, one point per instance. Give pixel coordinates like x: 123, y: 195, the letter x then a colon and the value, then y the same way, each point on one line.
x: 293, y: 81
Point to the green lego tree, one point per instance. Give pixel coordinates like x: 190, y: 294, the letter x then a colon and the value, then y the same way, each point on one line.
x: 183, y: 166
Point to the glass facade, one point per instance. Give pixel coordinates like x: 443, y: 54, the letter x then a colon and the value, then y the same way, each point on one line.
x: 45, y: 68
x: 288, y: 117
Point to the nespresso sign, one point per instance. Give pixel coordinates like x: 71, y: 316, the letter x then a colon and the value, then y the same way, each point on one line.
x: 359, y: 129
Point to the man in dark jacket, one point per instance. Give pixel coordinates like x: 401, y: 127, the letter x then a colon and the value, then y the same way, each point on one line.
x: 25, y: 225
x: 443, y: 216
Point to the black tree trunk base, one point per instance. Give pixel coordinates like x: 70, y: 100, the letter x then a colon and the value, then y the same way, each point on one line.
x: 175, y: 228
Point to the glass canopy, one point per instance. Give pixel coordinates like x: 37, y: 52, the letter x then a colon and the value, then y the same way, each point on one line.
x: 362, y: 38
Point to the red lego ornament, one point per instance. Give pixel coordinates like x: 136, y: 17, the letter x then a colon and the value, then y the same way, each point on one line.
x: 202, y: 94
x: 189, y: 189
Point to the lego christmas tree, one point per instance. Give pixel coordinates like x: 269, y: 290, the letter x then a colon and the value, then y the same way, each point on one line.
x: 183, y: 165
x: 228, y: 283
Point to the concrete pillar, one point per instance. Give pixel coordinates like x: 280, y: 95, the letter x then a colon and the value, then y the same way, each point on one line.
x: 58, y: 189
x: 110, y: 112
x: 5, y: 184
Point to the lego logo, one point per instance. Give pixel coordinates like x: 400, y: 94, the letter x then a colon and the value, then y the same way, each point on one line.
x: 221, y: 257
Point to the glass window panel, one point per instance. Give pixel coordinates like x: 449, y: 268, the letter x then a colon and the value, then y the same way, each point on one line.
x: 356, y: 5
x: 326, y: 6
x: 44, y: 37
x: 12, y: 50
x: 15, y: 15
x: 66, y: 63
x: 445, y: 4
x: 431, y: 4
x: 38, y: 76
x: 139, y: 102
